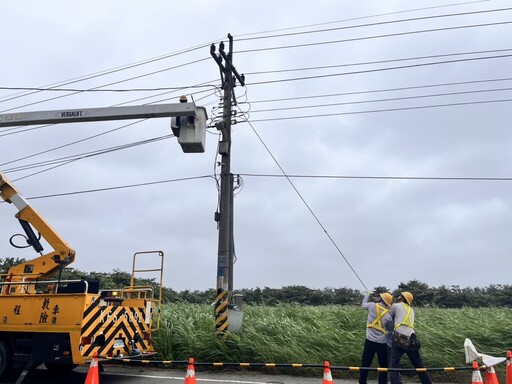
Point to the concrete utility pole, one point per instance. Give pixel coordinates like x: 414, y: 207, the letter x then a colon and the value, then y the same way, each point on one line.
x: 229, y: 75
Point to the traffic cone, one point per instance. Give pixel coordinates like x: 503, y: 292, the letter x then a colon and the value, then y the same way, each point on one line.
x: 327, y: 373
x: 490, y: 376
x: 93, y: 374
x: 190, y: 378
x: 477, y: 377
x: 509, y: 367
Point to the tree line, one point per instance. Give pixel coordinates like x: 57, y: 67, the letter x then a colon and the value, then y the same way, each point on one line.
x: 453, y: 296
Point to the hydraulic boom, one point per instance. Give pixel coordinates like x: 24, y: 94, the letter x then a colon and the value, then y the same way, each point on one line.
x: 45, y: 265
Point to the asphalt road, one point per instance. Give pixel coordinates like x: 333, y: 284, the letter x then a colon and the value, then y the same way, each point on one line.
x: 113, y: 374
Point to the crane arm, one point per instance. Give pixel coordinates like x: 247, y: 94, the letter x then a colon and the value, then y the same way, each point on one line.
x: 48, y: 263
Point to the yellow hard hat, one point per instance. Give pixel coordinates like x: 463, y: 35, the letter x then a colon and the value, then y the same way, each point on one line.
x: 408, y: 297
x: 387, y: 298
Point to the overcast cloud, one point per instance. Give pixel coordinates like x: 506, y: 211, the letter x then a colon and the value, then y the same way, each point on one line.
x: 391, y: 225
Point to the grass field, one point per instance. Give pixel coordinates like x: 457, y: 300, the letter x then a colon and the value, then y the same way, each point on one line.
x: 310, y: 335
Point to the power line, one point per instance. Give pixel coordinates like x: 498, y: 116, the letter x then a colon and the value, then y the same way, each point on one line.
x: 71, y: 143
x: 103, y: 90
x: 87, y: 77
x: 381, y: 100
x: 381, y: 69
x: 364, y: 17
x: 288, y: 79
x: 191, y: 94
x: 368, y: 177
x: 127, y: 80
x: 85, y: 154
x: 22, y: 129
x: 107, y: 72
x: 119, y: 187
x: 147, y: 61
x: 405, y: 178
x: 206, y: 83
x: 104, y: 85
x: 374, y: 37
x: 380, y: 23
x: 377, y: 62
x: 383, y: 110
x: 187, y: 50
x: 73, y: 158
x: 382, y: 90
x: 306, y: 205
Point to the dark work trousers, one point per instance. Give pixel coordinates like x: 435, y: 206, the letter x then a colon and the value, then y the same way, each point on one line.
x: 414, y: 356
x: 370, y: 349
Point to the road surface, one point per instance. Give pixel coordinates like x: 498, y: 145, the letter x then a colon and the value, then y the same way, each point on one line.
x: 117, y: 374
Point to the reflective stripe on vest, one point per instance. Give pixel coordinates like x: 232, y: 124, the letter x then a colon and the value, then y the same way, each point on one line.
x: 407, y: 321
x: 377, y: 324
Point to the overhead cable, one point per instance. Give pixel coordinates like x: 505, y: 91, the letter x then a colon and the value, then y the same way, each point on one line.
x: 71, y: 143
x: 377, y: 62
x: 368, y: 177
x: 382, y: 110
x: 333, y: 242
x: 364, y: 17
x: 381, y: 69
x: 380, y: 23
x: 374, y: 37
x: 119, y: 187
x: 103, y: 90
x: 71, y: 159
x: 380, y: 100
x: 104, y: 85
x: 106, y: 72
x: 382, y: 90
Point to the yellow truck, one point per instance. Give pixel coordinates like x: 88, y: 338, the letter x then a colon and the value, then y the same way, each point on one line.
x: 63, y: 323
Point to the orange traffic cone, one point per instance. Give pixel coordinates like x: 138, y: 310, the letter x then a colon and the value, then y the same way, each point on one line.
x: 509, y: 367
x: 327, y: 373
x: 93, y: 375
x: 477, y: 377
x: 190, y: 378
x: 490, y: 376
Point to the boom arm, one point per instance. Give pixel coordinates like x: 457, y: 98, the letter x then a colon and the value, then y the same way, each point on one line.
x: 48, y: 263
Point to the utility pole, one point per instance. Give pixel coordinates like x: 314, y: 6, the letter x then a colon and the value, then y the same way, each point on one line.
x: 224, y: 217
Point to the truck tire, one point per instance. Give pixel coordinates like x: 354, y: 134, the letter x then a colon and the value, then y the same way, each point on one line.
x: 5, y: 358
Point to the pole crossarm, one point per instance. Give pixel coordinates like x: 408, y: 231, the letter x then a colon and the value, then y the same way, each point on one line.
x: 228, y: 59
x: 80, y: 115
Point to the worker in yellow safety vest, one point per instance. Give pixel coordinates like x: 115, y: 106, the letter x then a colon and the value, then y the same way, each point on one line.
x: 379, y: 324
x: 405, y: 340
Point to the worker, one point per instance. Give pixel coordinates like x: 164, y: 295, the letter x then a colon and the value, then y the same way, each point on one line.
x: 379, y: 322
x: 405, y: 340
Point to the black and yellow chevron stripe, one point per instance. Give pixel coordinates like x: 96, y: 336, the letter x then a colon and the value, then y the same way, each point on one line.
x: 114, y: 322
x: 221, y: 312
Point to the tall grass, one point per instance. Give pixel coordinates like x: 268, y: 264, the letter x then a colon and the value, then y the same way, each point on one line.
x: 293, y: 333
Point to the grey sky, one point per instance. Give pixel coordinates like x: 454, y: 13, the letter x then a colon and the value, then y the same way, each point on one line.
x: 441, y: 232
